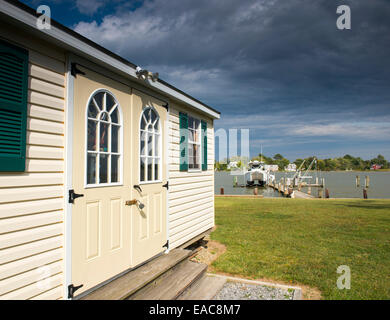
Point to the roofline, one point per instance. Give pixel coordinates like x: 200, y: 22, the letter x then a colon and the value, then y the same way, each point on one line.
x: 78, y: 43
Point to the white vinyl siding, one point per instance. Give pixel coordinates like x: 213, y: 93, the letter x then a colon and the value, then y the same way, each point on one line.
x: 32, y: 203
x: 191, y: 194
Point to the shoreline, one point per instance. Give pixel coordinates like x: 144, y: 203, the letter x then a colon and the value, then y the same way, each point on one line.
x: 249, y: 196
x: 376, y: 171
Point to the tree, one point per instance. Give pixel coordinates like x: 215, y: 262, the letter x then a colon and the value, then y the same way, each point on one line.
x: 278, y: 156
x: 298, y: 162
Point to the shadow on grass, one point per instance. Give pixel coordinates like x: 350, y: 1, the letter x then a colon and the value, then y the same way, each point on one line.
x: 367, y: 204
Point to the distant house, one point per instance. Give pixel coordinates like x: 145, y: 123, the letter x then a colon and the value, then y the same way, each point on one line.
x: 375, y: 167
x: 291, y: 167
x: 271, y: 167
x: 232, y: 165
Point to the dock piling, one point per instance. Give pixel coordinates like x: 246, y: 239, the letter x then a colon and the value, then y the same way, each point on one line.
x: 357, y: 181
x: 326, y: 193
x: 367, y: 182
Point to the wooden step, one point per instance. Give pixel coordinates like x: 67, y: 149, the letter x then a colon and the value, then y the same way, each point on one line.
x: 134, y: 280
x: 204, y: 289
x: 171, y: 286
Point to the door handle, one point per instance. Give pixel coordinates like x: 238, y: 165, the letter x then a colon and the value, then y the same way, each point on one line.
x: 135, y: 201
x: 137, y: 187
x: 130, y: 202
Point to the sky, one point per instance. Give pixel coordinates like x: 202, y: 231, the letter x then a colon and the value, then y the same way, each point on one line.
x: 281, y: 69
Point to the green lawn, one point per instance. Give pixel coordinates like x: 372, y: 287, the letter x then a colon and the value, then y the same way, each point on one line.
x: 304, y: 241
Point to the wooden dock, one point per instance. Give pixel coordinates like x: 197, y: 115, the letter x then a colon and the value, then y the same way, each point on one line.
x: 301, y: 195
x: 287, y: 191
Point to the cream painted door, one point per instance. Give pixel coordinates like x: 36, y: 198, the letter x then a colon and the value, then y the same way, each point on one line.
x: 102, y: 147
x: 149, y: 171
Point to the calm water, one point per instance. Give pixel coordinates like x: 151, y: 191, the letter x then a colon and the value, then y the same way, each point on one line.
x: 340, y: 184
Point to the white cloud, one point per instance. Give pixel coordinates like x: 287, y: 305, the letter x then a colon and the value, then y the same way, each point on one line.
x: 367, y: 130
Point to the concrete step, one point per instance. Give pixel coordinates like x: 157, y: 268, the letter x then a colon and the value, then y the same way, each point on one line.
x: 172, y: 284
x: 136, y: 279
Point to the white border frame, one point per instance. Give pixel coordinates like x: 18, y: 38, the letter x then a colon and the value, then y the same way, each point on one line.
x: 68, y: 173
x: 160, y: 147
x: 200, y: 144
x: 100, y: 185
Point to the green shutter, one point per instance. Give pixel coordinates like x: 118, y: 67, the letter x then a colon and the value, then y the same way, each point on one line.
x: 204, y: 143
x: 183, y: 141
x: 13, y: 107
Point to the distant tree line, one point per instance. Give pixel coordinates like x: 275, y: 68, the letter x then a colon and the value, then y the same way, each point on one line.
x: 347, y: 162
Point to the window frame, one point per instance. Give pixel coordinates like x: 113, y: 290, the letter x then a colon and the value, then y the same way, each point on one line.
x: 98, y: 153
x: 160, y: 146
x: 200, y: 144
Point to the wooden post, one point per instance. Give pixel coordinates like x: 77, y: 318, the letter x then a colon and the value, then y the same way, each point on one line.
x: 365, y: 194
x: 286, y: 187
x: 326, y: 193
x: 255, y: 191
x: 222, y: 191
x: 357, y: 181
x: 316, y: 180
x: 367, y: 182
x: 320, y: 193
x: 309, y: 190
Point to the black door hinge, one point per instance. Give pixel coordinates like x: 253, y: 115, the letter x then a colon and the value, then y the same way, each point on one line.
x: 74, y: 71
x: 166, y: 245
x: 166, y: 106
x: 166, y: 185
x: 73, y: 196
x: 72, y: 289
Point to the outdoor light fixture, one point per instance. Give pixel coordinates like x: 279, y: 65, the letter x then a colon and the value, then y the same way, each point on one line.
x: 145, y: 74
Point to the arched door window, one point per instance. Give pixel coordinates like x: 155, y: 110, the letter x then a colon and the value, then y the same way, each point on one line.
x: 104, y: 139
x: 150, y: 146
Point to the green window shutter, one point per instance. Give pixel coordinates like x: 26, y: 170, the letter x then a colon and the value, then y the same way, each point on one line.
x: 13, y: 107
x: 183, y: 141
x: 204, y: 142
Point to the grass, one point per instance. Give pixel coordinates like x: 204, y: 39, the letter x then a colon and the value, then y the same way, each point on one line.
x: 304, y: 241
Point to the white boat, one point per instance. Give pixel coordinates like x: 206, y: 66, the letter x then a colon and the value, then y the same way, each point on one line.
x: 258, y: 175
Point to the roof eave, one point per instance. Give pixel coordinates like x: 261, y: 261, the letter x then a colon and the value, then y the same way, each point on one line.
x: 66, y: 38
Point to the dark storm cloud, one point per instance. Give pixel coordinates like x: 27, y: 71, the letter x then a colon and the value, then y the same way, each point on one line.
x: 284, y: 60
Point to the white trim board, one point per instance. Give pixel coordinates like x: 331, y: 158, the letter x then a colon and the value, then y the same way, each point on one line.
x: 68, y: 176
